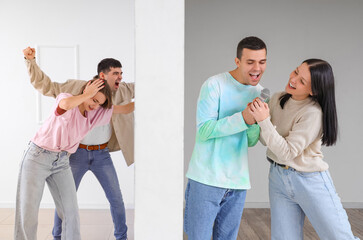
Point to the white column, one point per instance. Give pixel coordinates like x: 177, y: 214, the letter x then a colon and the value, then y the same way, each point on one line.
x: 159, y: 119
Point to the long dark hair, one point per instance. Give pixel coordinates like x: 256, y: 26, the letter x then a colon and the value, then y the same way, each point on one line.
x: 323, y: 90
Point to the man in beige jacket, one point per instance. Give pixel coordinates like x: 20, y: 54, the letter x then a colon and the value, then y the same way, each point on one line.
x: 93, y: 152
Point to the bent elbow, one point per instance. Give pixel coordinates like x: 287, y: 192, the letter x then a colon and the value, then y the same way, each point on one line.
x: 65, y: 105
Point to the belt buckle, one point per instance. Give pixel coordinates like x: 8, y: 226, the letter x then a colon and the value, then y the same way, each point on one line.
x: 286, y: 167
x: 90, y: 149
x: 93, y: 147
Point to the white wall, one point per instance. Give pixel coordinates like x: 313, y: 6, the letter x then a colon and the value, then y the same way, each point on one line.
x: 100, y: 29
x: 159, y: 119
x: 293, y: 31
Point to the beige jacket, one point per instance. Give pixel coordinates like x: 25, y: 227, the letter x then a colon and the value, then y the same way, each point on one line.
x: 122, y: 137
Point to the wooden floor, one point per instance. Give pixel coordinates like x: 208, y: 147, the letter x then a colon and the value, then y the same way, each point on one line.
x: 255, y: 225
x: 97, y: 224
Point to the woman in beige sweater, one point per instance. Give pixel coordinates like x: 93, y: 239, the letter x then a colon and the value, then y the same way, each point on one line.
x: 294, y: 126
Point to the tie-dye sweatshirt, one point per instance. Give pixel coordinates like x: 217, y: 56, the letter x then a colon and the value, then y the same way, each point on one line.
x: 220, y: 153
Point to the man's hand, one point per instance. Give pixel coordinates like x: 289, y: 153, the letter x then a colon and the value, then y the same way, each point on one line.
x: 29, y: 53
x: 247, y: 116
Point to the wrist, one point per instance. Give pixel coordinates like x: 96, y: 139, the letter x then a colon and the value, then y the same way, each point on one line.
x: 87, y: 95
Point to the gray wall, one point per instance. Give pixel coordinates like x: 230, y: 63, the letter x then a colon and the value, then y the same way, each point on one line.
x: 293, y: 31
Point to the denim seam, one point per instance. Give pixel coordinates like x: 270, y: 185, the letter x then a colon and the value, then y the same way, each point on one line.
x: 18, y: 190
x: 216, y: 222
x: 186, y: 207
x: 64, y: 230
x: 331, y: 197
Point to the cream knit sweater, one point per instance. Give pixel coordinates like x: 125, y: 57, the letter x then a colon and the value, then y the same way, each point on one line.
x: 293, y: 134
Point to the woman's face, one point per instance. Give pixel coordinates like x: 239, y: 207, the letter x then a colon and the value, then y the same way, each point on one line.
x: 299, y: 85
x: 94, y: 102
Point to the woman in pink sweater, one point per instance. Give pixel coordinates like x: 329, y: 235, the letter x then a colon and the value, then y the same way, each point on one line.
x: 46, y: 160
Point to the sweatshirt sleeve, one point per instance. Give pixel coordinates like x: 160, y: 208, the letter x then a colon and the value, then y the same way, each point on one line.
x: 305, y: 130
x: 44, y: 84
x: 208, y: 123
x: 253, y: 134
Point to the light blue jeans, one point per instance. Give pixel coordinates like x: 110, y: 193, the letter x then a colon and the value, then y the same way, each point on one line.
x: 212, y: 210
x: 40, y: 166
x: 294, y: 194
x: 99, y: 162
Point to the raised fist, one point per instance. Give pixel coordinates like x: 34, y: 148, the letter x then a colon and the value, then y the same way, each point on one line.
x: 29, y: 53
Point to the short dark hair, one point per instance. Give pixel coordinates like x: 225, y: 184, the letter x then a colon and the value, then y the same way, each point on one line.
x: 323, y: 92
x: 106, y: 64
x: 253, y: 43
x: 106, y: 90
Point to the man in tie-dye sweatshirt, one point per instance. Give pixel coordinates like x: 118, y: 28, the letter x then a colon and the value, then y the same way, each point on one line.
x: 218, y: 170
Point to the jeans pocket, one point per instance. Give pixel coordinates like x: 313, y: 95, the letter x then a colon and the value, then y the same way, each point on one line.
x: 35, y: 151
x: 329, y: 181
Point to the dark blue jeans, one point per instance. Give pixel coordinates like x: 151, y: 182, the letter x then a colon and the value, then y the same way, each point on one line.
x: 99, y: 162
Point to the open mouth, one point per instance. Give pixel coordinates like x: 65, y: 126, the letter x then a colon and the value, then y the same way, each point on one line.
x: 292, y: 86
x: 254, y: 76
x: 117, y: 84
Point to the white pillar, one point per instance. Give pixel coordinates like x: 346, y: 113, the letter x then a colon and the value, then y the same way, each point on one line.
x: 159, y: 119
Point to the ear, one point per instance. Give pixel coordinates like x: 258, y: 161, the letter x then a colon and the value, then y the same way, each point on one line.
x: 102, y: 75
x: 311, y: 92
x: 237, y: 61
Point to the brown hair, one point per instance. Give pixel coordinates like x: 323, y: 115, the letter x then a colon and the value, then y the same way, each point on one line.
x: 106, y: 90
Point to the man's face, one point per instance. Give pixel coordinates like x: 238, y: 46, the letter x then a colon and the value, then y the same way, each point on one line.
x: 251, y: 66
x: 113, y: 78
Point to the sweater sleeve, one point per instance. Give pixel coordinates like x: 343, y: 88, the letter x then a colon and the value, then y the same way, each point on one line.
x: 274, y: 101
x: 208, y: 123
x: 305, y: 130
x: 253, y: 134
x: 44, y: 84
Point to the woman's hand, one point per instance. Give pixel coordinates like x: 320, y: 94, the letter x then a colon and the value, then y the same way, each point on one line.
x: 92, y: 88
x: 259, y: 110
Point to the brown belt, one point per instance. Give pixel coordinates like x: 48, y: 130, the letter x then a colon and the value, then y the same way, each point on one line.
x: 93, y: 147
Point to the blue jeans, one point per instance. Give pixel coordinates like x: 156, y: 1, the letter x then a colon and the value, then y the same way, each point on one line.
x: 40, y: 166
x: 99, y: 162
x: 212, y: 210
x: 294, y: 194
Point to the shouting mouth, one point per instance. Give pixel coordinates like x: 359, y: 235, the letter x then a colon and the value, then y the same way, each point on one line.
x: 117, y: 84
x: 255, y: 76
